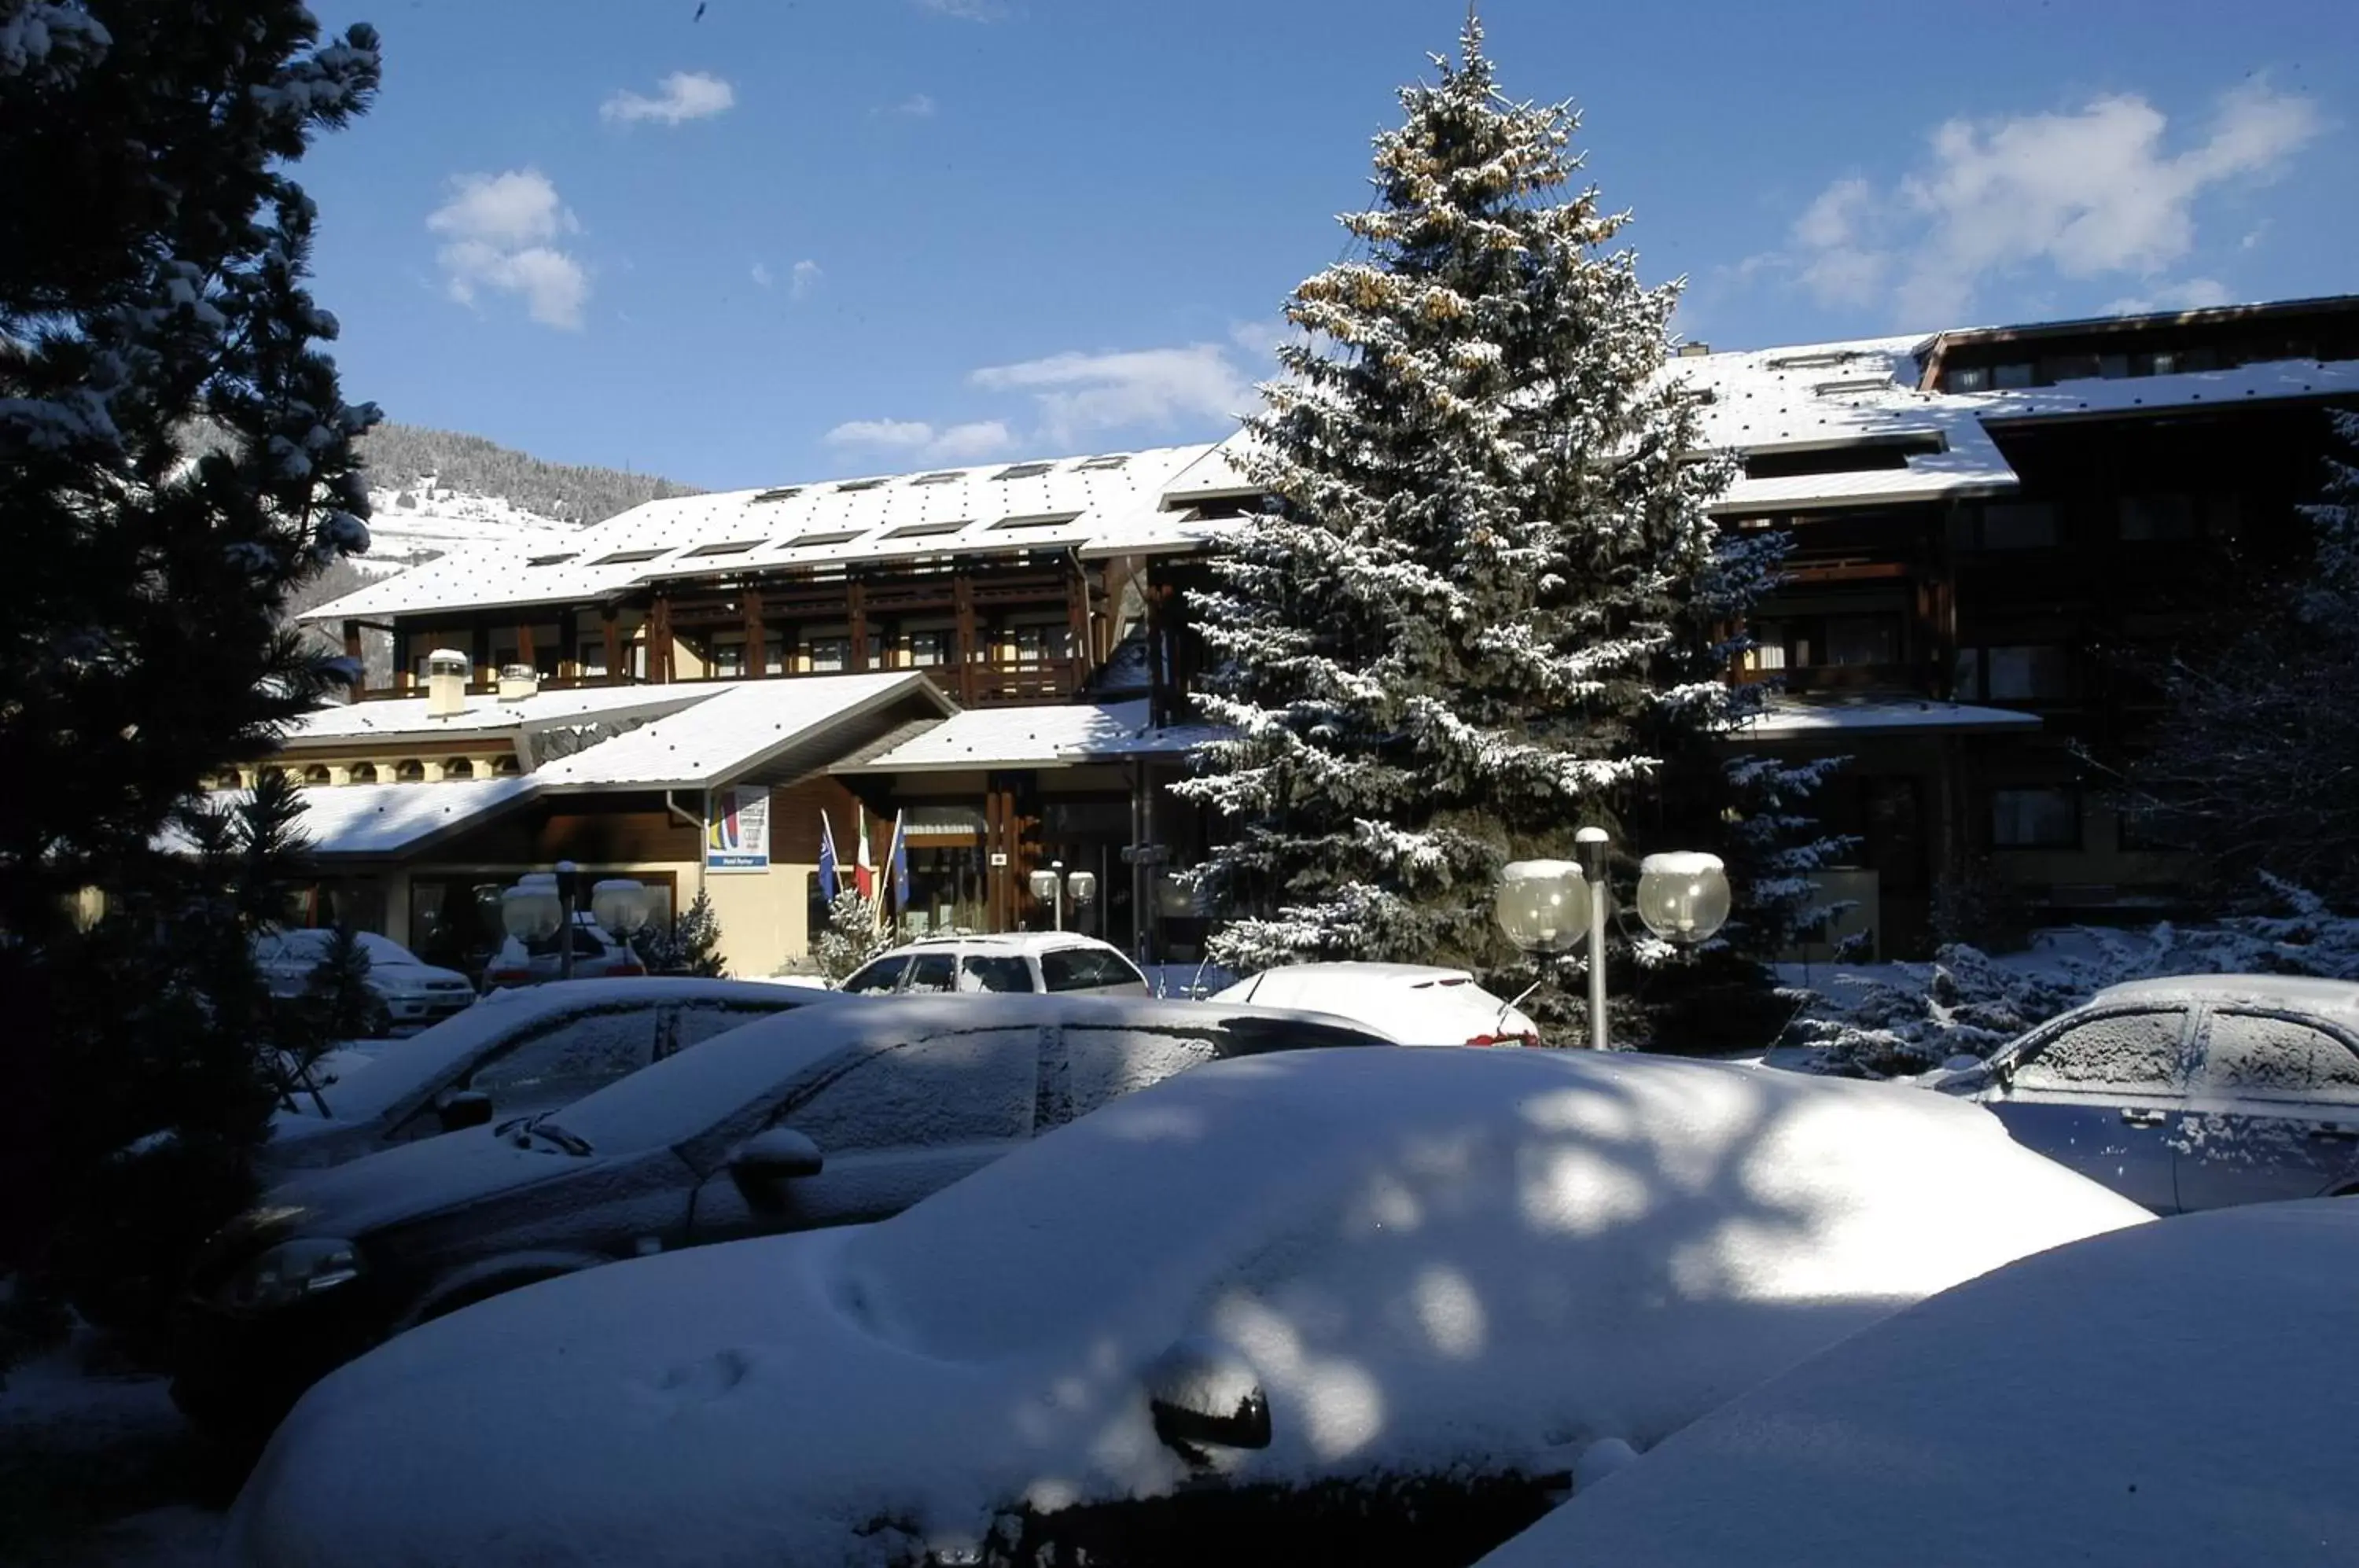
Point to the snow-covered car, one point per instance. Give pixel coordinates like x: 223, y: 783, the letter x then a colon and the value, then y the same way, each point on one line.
x: 2192, y: 1093
x: 597, y: 955
x: 1312, y: 1306
x: 1013, y: 961
x: 836, y: 1114
x: 513, y: 1053
x: 2167, y: 1396
x: 1418, y: 1004
x: 407, y: 992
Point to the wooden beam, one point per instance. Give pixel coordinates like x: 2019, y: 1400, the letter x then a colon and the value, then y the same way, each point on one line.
x: 615, y: 674
x: 963, y: 605
x: 660, y: 640
x: 856, y: 611
x: 757, y: 635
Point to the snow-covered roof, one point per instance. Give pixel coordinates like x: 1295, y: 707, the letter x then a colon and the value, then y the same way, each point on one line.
x: 2175, y: 1395
x: 1102, y: 504
x: 1433, y: 1263
x: 387, y: 819
x: 1049, y: 735
x: 1817, y: 395
x: 741, y: 726
x: 405, y: 718
x: 1787, y: 717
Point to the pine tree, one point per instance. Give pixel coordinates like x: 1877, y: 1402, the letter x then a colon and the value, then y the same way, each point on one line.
x: 153, y: 253
x: 336, y: 993
x: 2254, y: 763
x: 691, y: 943
x: 1486, y: 604
x: 852, y: 936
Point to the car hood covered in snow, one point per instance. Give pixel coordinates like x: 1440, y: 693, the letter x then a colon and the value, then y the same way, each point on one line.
x: 413, y: 1180
x: 1426, y: 1258
x: 2178, y: 1396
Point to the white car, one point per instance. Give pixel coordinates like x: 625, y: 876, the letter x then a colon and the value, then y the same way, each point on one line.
x: 1417, y: 1003
x: 2174, y: 1395
x: 1328, y: 1293
x: 513, y: 1053
x: 409, y: 993
x: 1013, y: 961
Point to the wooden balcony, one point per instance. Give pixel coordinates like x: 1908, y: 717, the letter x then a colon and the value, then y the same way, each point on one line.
x: 982, y: 683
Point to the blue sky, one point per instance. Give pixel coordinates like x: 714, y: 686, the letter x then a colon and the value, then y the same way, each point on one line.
x: 802, y: 238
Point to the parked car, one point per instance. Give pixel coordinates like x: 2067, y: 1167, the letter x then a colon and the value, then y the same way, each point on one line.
x: 1317, y: 1306
x: 408, y: 992
x: 513, y: 1053
x: 1417, y: 1003
x: 2192, y: 1093
x: 1015, y: 961
x: 843, y: 1113
x: 597, y: 955
x: 2171, y: 1394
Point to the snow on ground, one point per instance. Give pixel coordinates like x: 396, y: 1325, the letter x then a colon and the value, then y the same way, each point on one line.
x: 2177, y: 1395
x: 97, y: 1468
x: 1428, y: 1259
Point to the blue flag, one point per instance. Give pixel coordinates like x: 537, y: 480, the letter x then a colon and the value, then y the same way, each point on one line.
x: 826, y: 859
x: 900, y: 865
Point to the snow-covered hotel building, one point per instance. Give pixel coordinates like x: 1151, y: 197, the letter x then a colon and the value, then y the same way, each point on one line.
x: 1985, y: 523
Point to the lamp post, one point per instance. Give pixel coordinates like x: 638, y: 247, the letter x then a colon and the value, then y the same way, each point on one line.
x: 1054, y: 885
x: 544, y: 903
x: 1546, y: 906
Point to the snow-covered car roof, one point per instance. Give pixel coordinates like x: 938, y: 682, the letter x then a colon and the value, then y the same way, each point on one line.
x: 2302, y: 993
x: 684, y: 1094
x: 1007, y: 941
x: 2172, y: 1396
x: 399, y: 1071
x: 1428, y: 1259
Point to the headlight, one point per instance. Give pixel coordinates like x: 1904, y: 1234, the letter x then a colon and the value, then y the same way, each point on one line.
x: 291, y: 1272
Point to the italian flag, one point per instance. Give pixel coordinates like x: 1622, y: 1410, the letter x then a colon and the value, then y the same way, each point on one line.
x: 864, y: 870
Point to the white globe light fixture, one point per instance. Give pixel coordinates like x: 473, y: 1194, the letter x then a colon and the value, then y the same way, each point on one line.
x: 1542, y: 905
x: 532, y: 911
x: 1683, y: 896
x: 620, y: 904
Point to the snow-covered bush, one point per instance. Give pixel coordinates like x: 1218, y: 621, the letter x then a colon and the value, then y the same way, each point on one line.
x: 852, y: 936
x: 1966, y: 1003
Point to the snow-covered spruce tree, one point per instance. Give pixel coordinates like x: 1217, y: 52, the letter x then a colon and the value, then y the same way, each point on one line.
x: 2256, y: 761
x: 153, y: 252
x: 1486, y: 604
x: 692, y: 944
x: 852, y: 936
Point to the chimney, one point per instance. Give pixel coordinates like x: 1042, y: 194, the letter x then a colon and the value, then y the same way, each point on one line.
x: 517, y: 681
x: 446, y: 683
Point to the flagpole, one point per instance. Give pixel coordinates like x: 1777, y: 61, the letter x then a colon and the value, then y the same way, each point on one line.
x: 885, y: 870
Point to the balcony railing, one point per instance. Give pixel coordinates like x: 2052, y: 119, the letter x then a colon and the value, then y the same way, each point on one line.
x: 982, y: 683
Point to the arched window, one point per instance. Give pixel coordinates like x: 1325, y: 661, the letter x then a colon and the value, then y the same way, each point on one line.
x: 363, y: 772
x: 506, y: 766
x: 409, y: 771
x: 317, y: 774
x: 458, y: 767
x: 277, y: 773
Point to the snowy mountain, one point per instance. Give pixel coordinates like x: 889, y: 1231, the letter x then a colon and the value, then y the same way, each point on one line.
x: 434, y: 491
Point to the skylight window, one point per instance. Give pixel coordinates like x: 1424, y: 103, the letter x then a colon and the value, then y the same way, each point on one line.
x: 1042, y: 520
x: 733, y: 547
x: 783, y: 492
x: 1100, y: 464
x: 625, y: 557
x: 559, y: 560
x: 1853, y: 384
x: 831, y: 536
x: 924, y: 530
x: 1822, y: 360
x: 858, y: 484
x: 947, y: 476
x: 1024, y: 470
x: 1884, y: 452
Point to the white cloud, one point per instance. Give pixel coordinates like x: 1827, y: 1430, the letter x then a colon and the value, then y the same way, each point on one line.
x: 1080, y: 393
x: 761, y: 276
x: 916, y: 106
x: 803, y: 278
x: 2086, y: 194
x: 498, y: 231
x: 684, y: 95
x: 965, y: 10
x: 2195, y: 294
x: 914, y: 438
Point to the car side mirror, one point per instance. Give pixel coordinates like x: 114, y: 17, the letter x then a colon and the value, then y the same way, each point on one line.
x: 2002, y: 1073
x: 1203, y: 1395
x: 464, y: 1108
x: 776, y: 1154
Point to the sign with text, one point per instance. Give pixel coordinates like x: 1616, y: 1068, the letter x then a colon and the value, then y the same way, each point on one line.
x: 737, y: 831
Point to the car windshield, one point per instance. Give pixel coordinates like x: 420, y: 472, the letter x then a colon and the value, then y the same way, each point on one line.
x: 689, y: 1093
